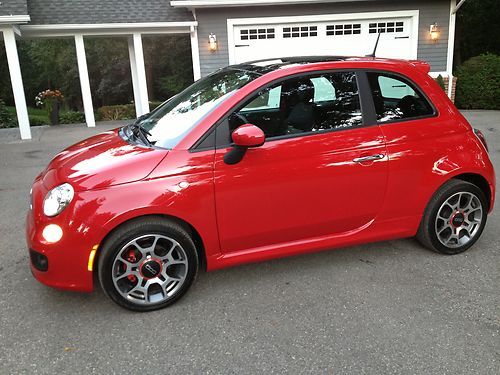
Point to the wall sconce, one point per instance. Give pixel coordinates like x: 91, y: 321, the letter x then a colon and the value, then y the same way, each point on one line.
x: 212, y: 42
x: 434, y: 32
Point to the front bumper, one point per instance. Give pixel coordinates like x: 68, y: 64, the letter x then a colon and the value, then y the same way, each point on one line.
x: 62, y: 265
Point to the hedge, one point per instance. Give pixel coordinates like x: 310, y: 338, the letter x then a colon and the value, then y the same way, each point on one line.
x: 6, y: 119
x: 121, y: 112
x: 478, y: 83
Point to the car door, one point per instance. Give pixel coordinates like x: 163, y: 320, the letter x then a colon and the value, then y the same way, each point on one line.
x: 324, y: 174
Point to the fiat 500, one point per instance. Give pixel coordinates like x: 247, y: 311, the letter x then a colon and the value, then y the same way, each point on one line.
x: 257, y: 161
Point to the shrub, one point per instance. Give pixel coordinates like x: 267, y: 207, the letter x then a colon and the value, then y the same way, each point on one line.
x: 440, y: 81
x: 478, y: 83
x: 71, y: 117
x: 153, y: 105
x: 38, y: 120
x: 6, y: 118
x: 116, y: 112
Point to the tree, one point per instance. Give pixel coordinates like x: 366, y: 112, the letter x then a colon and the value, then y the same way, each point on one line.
x: 477, y: 30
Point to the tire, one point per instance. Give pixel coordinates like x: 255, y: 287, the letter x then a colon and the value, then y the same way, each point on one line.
x: 147, y: 264
x: 462, y: 210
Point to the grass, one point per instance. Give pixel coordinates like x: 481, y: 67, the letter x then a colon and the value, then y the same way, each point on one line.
x: 37, y: 116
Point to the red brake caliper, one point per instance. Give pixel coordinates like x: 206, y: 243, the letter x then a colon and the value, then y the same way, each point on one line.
x: 132, y: 259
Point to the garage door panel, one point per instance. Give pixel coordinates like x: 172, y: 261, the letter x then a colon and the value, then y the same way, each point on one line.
x: 345, y: 37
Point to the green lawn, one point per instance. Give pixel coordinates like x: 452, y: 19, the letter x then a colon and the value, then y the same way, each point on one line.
x: 37, y: 116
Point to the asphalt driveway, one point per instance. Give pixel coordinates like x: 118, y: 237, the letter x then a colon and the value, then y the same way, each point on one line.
x: 389, y: 307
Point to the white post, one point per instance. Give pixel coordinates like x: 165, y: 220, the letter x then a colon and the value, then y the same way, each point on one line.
x: 451, y: 46
x: 84, y: 80
x: 138, y: 71
x: 195, y: 53
x: 17, y: 83
x: 135, y: 79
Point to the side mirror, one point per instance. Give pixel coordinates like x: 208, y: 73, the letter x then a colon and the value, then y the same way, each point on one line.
x: 248, y: 135
x: 244, y: 137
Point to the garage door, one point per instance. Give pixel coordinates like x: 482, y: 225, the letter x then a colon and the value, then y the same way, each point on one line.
x: 351, y: 37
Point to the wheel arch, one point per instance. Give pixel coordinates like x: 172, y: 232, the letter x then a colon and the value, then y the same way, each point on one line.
x: 480, y: 182
x: 195, y: 235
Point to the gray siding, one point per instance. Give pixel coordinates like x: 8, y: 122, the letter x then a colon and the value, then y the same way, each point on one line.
x: 104, y: 11
x: 13, y: 8
x: 214, y: 20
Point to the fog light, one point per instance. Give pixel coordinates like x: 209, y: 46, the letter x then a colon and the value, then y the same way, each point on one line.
x: 52, y: 233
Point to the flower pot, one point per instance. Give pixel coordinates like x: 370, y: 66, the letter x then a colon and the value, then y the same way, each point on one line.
x: 54, y: 112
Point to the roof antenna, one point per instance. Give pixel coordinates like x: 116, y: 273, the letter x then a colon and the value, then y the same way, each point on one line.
x: 375, y: 49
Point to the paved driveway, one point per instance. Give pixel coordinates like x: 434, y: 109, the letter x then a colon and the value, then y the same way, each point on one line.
x: 390, y: 307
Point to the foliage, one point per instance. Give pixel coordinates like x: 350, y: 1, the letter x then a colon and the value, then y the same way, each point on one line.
x: 6, y: 118
x: 440, y: 81
x: 36, y: 120
x: 37, y: 117
x: 48, y: 95
x: 51, y: 63
x: 478, y: 30
x: 478, y: 83
x: 153, y: 105
x: 71, y: 117
x: 116, y: 112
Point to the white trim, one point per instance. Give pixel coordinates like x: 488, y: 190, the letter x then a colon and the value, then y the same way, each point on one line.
x: 135, y: 78
x: 84, y: 80
x: 451, y: 46
x: 223, y: 3
x: 458, y: 6
x: 436, y: 74
x: 195, y: 54
x: 413, y: 14
x: 14, y: 19
x: 16, y: 79
x: 107, y: 28
x: 142, y: 102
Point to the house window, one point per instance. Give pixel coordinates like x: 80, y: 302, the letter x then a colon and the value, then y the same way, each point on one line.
x: 386, y: 27
x: 257, y: 34
x: 300, y: 31
x: 347, y: 29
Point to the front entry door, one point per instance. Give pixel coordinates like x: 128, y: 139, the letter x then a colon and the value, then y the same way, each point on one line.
x: 309, y: 179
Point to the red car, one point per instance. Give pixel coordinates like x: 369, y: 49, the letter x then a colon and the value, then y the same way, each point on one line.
x: 259, y: 161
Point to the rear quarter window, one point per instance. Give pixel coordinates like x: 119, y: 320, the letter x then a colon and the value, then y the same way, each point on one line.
x: 396, y: 98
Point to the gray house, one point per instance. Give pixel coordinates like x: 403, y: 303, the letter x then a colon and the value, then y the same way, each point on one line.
x: 227, y: 32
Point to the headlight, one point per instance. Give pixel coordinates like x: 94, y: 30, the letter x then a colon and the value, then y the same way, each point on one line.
x: 57, y: 199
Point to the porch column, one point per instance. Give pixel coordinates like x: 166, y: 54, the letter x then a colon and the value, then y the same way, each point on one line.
x: 84, y: 81
x: 138, y: 71
x: 17, y: 82
x: 195, y: 53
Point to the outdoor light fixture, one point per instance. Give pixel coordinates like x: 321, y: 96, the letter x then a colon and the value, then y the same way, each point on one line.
x: 434, y: 32
x: 212, y: 41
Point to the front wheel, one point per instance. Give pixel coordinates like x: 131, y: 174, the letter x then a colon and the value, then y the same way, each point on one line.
x: 454, y: 218
x: 147, y: 264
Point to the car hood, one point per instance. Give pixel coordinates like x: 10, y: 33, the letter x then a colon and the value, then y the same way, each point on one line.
x: 101, y: 161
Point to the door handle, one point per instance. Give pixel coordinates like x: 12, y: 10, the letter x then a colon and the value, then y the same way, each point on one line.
x: 265, y: 118
x: 368, y: 158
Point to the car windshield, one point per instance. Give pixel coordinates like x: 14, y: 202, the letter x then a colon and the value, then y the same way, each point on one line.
x: 172, y: 120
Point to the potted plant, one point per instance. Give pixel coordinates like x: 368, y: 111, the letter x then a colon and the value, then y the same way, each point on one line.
x: 51, y: 100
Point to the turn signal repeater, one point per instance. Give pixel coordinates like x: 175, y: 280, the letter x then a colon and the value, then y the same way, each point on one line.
x: 90, y: 265
x: 52, y: 233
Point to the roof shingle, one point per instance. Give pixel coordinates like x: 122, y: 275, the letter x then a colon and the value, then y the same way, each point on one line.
x: 45, y: 12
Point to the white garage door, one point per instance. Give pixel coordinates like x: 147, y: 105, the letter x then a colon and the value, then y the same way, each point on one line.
x: 346, y: 37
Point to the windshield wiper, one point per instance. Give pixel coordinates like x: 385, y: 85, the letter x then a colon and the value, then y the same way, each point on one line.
x: 141, y: 133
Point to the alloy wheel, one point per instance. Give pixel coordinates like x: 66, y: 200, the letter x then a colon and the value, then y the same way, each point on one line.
x: 459, y: 219
x: 150, y: 269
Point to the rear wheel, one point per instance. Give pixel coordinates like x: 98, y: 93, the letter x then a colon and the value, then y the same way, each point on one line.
x: 147, y: 264
x: 454, y: 218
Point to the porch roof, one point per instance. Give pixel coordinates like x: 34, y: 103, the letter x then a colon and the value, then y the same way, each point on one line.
x: 57, y: 12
